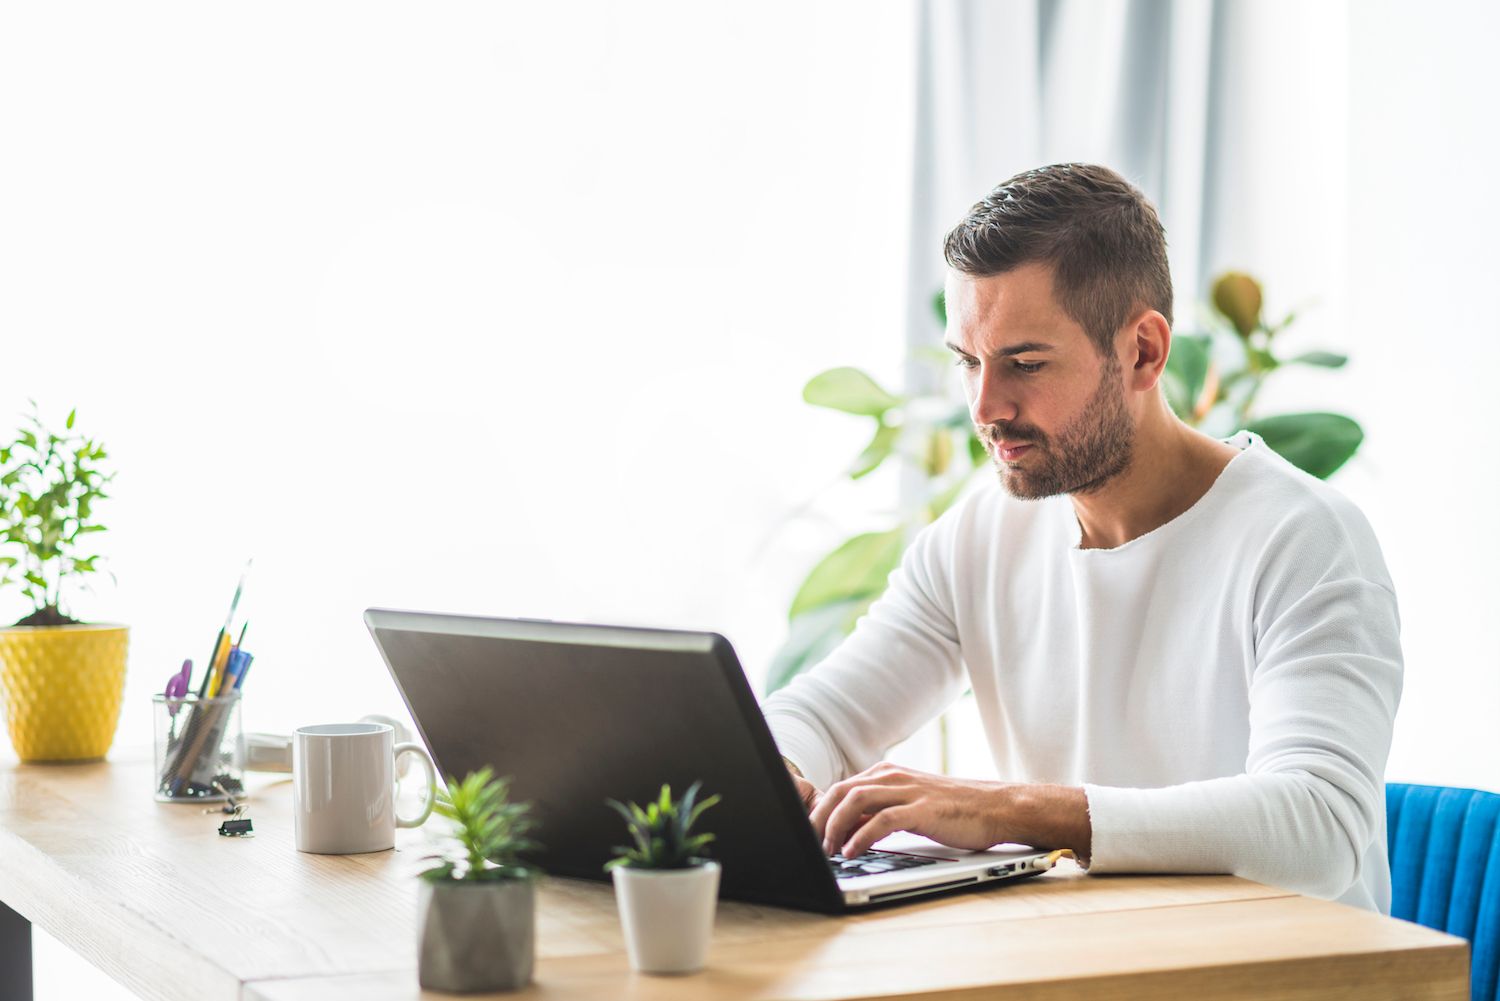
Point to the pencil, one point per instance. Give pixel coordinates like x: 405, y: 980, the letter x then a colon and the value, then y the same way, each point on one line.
x: 213, y: 658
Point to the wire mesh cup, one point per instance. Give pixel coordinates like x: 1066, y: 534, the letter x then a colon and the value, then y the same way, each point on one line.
x: 196, y: 744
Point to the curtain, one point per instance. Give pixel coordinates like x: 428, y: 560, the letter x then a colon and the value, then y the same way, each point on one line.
x: 1228, y: 114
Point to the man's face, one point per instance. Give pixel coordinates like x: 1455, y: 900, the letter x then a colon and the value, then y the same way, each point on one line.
x: 1048, y: 407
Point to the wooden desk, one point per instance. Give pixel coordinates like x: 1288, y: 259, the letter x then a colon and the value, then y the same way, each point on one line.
x: 149, y: 893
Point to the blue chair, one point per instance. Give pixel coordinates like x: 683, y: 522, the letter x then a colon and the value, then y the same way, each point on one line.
x: 1445, y: 870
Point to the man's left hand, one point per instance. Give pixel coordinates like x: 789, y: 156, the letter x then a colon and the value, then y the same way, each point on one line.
x: 968, y: 814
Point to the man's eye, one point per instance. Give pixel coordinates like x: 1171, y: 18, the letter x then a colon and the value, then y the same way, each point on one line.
x: 966, y: 362
x: 1029, y: 367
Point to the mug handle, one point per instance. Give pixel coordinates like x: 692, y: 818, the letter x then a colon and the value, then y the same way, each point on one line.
x: 421, y: 753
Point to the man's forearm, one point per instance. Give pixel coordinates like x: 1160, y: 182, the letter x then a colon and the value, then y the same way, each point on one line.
x: 1049, y: 816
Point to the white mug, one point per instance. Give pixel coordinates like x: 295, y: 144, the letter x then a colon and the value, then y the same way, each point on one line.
x: 344, y: 787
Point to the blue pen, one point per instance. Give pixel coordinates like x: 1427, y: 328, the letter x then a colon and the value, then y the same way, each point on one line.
x: 239, y: 681
x: 234, y: 670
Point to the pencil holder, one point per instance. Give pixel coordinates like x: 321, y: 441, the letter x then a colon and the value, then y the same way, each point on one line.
x: 196, y: 742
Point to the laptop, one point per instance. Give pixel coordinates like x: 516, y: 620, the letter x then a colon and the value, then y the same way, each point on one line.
x: 578, y: 714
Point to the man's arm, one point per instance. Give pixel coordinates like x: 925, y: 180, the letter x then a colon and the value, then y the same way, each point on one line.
x: 898, y: 670
x: 1302, y: 816
x: 1311, y: 801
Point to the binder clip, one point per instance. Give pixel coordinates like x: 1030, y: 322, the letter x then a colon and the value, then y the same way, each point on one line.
x: 236, y: 828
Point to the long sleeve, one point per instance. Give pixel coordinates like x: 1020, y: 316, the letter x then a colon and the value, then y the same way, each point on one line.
x: 1308, y: 811
x: 896, y: 671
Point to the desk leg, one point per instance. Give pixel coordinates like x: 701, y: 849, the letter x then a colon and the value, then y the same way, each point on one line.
x: 15, y: 956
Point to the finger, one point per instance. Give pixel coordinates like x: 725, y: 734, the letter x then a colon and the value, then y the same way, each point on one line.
x: 818, y: 817
x: 860, y: 802
x: 897, y: 818
x: 835, y: 793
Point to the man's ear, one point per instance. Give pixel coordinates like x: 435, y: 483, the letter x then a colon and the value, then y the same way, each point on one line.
x: 1150, y: 339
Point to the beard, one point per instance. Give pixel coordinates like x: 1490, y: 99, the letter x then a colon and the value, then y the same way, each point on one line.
x: 1095, y: 447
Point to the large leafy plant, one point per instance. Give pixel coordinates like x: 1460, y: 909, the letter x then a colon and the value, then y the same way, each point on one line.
x: 489, y: 831
x: 661, y: 832
x: 1212, y: 381
x: 49, y: 484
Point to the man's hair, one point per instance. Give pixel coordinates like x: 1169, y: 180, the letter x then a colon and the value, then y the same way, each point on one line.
x: 1102, y: 238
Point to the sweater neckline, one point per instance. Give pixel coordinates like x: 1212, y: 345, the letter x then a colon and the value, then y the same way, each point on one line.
x: 1246, y: 441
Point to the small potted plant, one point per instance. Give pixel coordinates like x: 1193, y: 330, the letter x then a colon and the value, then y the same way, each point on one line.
x: 61, y: 680
x: 478, y: 903
x: 666, y: 890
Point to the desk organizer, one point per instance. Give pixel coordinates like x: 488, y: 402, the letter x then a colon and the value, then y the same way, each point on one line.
x: 196, y: 748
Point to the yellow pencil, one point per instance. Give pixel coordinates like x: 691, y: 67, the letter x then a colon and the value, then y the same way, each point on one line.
x: 221, y: 657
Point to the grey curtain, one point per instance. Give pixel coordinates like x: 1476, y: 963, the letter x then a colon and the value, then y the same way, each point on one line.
x: 1140, y: 85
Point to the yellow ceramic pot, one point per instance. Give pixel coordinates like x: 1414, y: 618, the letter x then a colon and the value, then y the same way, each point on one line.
x: 61, y: 688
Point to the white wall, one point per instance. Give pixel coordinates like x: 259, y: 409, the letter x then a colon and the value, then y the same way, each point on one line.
x: 1424, y: 211
x: 491, y: 308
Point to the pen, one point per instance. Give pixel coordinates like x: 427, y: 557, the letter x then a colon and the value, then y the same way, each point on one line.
x: 239, y: 682
x: 215, y: 664
x: 232, y: 670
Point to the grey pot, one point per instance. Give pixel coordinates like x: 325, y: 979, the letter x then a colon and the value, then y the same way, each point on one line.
x: 476, y: 936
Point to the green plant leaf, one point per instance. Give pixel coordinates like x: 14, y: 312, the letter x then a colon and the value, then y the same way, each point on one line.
x: 856, y: 569
x: 813, y: 635
x: 849, y: 390
x: 72, y: 415
x: 1187, y: 368
x: 876, y: 452
x: 977, y: 454
x: 1322, y: 359
x: 1317, y: 443
x: 940, y: 307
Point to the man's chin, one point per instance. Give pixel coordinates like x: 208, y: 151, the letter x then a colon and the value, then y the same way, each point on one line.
x: 1021, y: 485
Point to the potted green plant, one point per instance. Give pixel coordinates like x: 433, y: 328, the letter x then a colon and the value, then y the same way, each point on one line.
x: 477, y: 904
x: 665, y: 887
x: 61, y: 680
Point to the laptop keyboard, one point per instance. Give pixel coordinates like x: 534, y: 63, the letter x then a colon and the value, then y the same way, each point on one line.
x: 873, y: 862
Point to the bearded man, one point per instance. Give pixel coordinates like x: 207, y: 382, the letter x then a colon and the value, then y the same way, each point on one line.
x: 1185, y: 651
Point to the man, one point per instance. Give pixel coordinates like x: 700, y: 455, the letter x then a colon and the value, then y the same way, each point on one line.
x: 1185, y: 651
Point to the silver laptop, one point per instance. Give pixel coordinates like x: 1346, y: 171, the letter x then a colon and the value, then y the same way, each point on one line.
x: 579, y: 714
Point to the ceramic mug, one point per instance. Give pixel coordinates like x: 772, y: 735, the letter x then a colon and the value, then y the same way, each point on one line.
x: 344, y: 787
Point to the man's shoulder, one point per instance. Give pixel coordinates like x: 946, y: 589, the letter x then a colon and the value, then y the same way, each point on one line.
x: 1275, y: 489
x: 1293, y: 512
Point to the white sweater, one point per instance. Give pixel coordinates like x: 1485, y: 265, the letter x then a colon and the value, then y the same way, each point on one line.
x: 1223, y: 687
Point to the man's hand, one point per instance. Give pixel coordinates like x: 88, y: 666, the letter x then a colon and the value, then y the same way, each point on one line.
x: 961, y: 813
x: 810, y: 793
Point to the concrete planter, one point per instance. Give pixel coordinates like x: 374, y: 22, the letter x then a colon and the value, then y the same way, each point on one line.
x: 476, y: 936
x: 668, y: 915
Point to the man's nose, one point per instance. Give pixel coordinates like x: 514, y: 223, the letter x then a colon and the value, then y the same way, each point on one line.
x: 990, y: 403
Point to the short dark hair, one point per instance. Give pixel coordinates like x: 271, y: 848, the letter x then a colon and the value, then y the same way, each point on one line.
x: 1105, y: 244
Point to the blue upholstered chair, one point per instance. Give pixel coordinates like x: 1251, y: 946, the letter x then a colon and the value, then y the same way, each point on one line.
x: 1445, y: 870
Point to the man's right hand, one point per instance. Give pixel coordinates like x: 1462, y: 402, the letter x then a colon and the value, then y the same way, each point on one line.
x: 810, y: 793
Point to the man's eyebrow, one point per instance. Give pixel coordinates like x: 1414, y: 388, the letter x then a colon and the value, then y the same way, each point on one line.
x: 1027, y: 347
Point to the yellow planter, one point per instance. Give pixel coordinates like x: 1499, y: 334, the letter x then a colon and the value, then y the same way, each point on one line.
x: 61, y: 688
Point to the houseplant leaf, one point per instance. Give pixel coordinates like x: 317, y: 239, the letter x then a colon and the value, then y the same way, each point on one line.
x: 1187, y: 367
x: 1317, y: 443
x: 856, y: 569
x: 813, y: 635
x: 876, y: 452
x: 850, y: 390
x: 1322, y: 359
